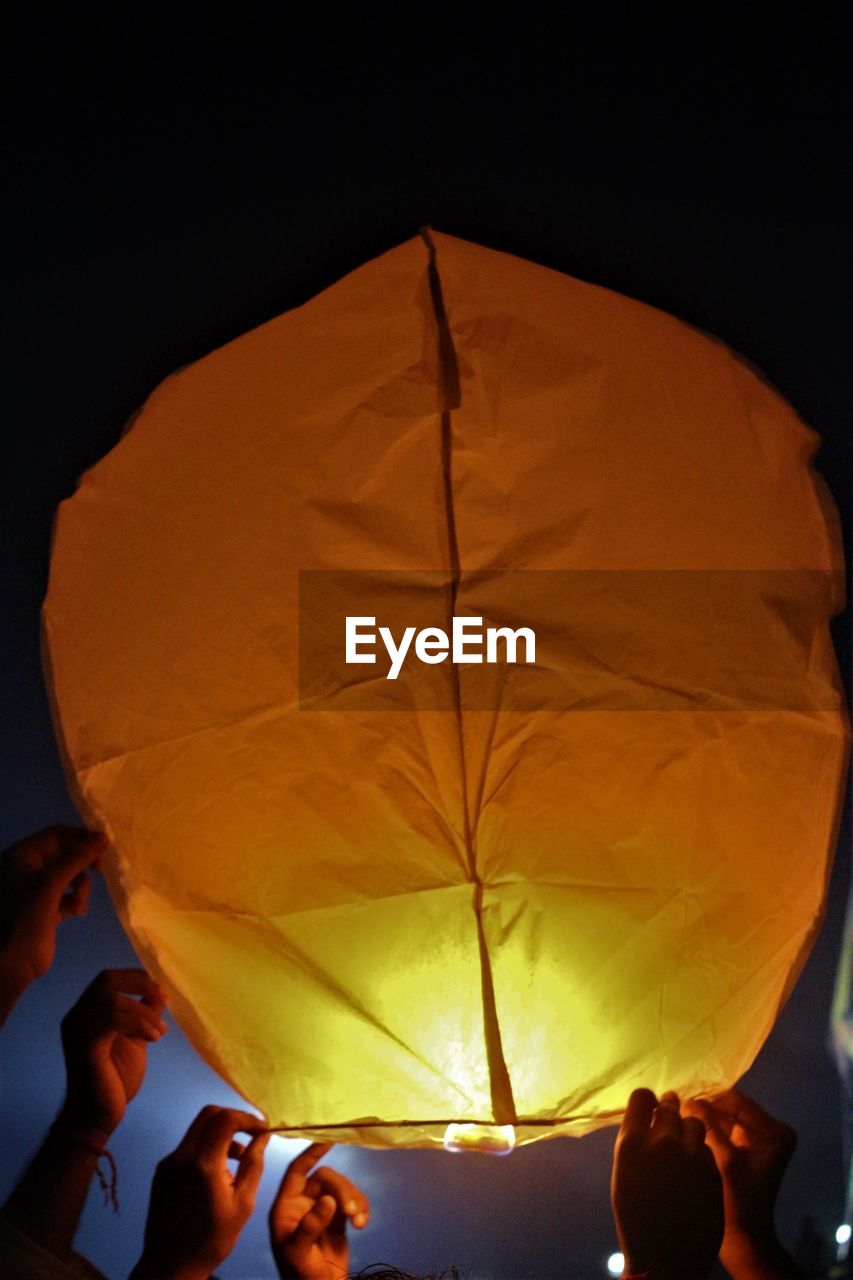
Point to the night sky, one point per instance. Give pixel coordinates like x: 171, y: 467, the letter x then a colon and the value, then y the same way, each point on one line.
x: 177, y: 177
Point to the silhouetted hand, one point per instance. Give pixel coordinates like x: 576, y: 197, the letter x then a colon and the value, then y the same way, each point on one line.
x: 43, y: 880
x: 752, y: 1151
x: 308, y: 1219
x: 198, y: 1209
x: 666, y: 1191
x: 105, y: 1038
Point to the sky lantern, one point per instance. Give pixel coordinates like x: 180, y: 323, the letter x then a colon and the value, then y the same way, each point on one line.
x: 407, y: 891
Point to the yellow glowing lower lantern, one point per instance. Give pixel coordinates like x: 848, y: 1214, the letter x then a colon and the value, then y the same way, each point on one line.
x: 475, y: 905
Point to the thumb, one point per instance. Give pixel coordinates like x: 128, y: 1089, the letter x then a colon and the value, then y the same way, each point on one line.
x: 251, y: 1165
x: 715, y: 1136
x: 73, y: 861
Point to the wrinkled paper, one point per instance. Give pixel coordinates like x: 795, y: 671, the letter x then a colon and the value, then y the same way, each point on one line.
x: 497, y: 908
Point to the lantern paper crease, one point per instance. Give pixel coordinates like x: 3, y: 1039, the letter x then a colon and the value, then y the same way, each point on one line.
x: 494, y: 896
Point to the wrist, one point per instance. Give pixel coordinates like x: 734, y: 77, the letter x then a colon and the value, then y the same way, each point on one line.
x: 757, y: 1256
x: 652, y: 1274
x: 149, y: 1267
x: 635, y: 1271
x: 73, y: 1146
x: 638, y: 1272
x: 74, y: 1122
x: 15, y: 977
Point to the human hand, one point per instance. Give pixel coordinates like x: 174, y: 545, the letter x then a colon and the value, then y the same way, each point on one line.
x: 105, y: 1038
x: 752, y: 1151
x: 308, y: 1218
x: 197, y: 1208
x: 666, y: 1191
x: 43, y: 880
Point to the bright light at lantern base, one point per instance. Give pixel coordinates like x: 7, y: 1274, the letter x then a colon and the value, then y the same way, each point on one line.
x: 495, y: 1139
x: 842, y: 1234
x: 615, y: 1264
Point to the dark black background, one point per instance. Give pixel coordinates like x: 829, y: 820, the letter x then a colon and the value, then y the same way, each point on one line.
x: 177, y: 175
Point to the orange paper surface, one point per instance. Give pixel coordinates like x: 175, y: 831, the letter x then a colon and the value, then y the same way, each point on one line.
x: 514, y: 904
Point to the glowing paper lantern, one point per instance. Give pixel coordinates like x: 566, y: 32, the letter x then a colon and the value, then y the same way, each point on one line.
x: 508, y: 897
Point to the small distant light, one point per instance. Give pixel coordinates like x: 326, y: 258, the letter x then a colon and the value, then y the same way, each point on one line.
x: 843, y: 1234
x: 616, y: 1264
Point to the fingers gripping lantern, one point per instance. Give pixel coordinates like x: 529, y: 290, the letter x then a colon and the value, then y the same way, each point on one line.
x: 381, y: 913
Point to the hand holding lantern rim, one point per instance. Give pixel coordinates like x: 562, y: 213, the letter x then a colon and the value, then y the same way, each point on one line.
x: 198, y: 1207
x: 105, y: 1039
x: 666, y: 1191
x: 309, y: 1216
x: 44, y: 880
x: 752, y: 1150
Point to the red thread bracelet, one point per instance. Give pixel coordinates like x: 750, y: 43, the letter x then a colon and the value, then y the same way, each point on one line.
x: 108, y: 1186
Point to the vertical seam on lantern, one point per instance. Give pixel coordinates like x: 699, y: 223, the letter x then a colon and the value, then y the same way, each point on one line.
x: 450, y: 399
x: 503, y: 1103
